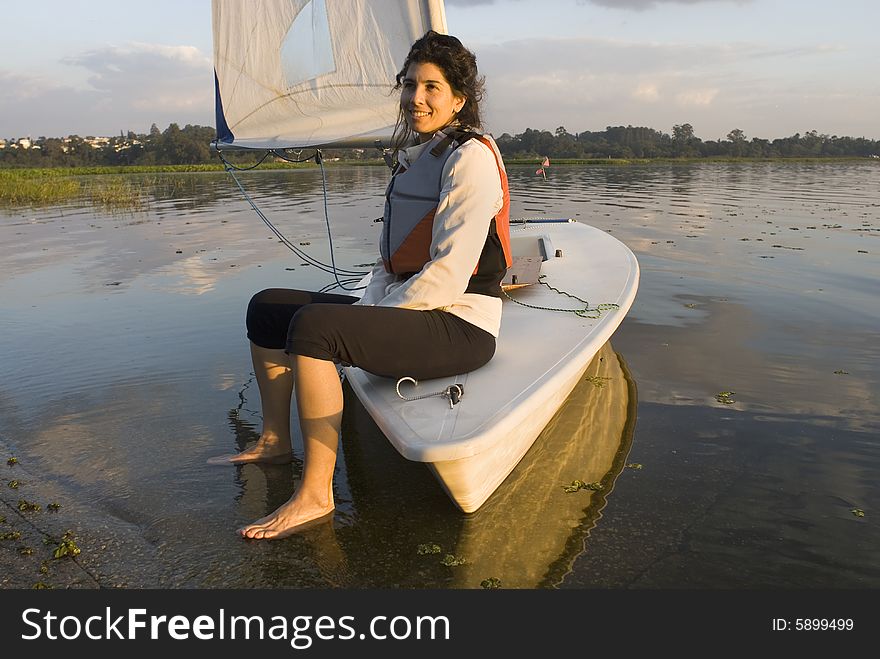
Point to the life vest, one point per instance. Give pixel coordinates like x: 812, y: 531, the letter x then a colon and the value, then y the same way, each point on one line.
x: 411, y: 201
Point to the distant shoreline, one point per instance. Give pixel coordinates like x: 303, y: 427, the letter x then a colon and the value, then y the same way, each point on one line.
x: 105, y: 186
x: 219, y: 167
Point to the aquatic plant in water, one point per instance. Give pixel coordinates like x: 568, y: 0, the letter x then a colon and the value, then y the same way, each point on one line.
x: 450, y: 560
x: 581, y: 485
x: 114, y: 193
x: 67, y: 546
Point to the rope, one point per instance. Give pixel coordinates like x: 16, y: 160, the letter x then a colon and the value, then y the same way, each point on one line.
x: 586, y: 312
x: 453, y: 392
x: 320, y: 160
x: 352, y: 276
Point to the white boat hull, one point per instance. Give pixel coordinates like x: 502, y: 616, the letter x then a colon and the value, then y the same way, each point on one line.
x: 541, y: 355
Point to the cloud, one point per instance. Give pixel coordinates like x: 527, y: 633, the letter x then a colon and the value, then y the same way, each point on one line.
x: 589, y: 83
x: 150, y: 77
x: 38, y: 106
x: 472, y: 3
x: 129, y: 87
x: 634, y: 5
x: 637, y: 5
x: 646, y: 91
x: 641, y: 5
x: 696, y: 97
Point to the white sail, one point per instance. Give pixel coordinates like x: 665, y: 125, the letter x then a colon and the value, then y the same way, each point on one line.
x: 301, y: 73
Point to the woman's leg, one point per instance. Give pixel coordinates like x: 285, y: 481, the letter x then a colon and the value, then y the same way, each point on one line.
x: 272, y: 369
x: 384, y: 340
x: 319, y: 403
x: 269, y: 314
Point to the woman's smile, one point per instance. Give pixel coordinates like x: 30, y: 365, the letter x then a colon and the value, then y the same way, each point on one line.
x: 428, y: 101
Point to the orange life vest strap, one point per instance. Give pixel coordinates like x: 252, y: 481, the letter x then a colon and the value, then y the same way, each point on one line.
x: 502, y: 219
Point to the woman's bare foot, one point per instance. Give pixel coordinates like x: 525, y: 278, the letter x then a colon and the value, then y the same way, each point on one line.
x: 292, y: 517
x: 265, y: 451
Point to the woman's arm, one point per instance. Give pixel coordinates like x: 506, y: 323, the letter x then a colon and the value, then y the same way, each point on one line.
x: 470, y: 197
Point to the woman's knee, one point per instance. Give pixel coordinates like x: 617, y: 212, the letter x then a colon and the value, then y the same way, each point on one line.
x: 268, y: 315
x: 310, y: 321
x: 273, y: 296
x: 312, y: 331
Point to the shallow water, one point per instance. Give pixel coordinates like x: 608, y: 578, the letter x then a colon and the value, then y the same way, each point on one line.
x: 124, y: 367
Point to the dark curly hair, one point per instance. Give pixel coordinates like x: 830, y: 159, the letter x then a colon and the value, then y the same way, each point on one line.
x: 459, y: 66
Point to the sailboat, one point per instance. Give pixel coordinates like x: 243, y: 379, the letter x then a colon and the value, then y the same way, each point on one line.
x: 296, y: 74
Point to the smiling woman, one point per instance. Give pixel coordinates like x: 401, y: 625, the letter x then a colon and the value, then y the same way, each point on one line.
x: 432, y: 307
x: 439, y: 85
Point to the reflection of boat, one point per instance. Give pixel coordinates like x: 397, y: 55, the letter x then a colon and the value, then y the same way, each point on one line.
x: 528, y: 533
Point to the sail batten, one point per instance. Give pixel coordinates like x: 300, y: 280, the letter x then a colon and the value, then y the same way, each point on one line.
x: 303, y: 73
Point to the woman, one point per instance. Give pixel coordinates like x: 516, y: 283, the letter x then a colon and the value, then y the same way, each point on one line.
x: 433, y: 306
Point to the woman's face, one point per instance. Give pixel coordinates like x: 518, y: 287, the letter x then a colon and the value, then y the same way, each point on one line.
x: 427, y: 99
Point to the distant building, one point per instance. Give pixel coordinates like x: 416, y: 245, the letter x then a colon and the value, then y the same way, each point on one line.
x: 97, y: 142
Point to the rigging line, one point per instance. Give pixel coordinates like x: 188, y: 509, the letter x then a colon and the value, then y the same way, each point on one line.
x: 319, y: 158
x: 329, y: 287
x: 320, y: 265
x: 230, y: 169
x: 280, y: 154
x: 278, y: 234
x: 229, y: 165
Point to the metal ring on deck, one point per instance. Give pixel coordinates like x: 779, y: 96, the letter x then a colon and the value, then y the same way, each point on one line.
x: 452, y: 393
x: 415, y: 384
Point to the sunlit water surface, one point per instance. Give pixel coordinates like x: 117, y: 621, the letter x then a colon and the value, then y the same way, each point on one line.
x: 124, y: 367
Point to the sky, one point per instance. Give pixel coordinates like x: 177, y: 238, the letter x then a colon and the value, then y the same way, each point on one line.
x: 771, y: 68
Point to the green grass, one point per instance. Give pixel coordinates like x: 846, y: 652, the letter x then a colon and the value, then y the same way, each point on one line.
x: 46, y: 187
x: 21, y: 188
x: 115, y: 194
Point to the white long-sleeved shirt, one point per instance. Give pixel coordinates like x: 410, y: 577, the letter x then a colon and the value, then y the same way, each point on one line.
x: 470, y: 196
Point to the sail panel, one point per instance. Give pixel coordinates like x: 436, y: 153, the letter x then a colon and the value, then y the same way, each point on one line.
x: 300, y: 73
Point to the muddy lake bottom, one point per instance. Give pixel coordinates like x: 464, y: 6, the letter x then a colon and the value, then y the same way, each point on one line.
x: 732, y: 426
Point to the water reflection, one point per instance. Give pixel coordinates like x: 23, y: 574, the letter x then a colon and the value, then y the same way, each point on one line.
x: 122, y: 350
x: 527, y: 534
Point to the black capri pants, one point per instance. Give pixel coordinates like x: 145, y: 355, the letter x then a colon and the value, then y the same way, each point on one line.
x: 385, y: 341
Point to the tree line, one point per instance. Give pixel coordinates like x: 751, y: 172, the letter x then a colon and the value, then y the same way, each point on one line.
x: 192, y: 145
x: 641, y: 142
